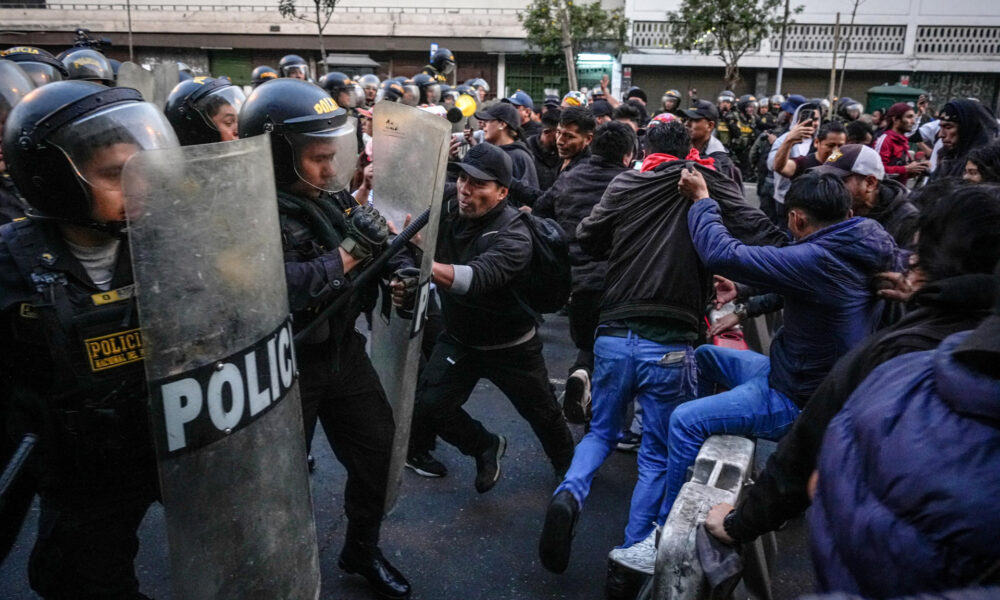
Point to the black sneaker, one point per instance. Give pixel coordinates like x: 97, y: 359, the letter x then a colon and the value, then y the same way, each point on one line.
x: 630, y: 442
x: 557, y: 532
x: 425, y: 465
x: 488, y: 465
x: 576, y: 398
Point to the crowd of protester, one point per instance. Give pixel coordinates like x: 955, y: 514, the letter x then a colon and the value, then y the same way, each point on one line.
x: 877, y: 237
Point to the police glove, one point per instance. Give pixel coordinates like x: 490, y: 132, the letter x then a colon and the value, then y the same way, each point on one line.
x: 404, y: 285
x: 367, y: 232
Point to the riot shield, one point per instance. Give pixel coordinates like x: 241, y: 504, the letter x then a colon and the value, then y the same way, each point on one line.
x: 133, y: 76
x: 224, y: 401
x: 410, y: 149
x: 165, y: 77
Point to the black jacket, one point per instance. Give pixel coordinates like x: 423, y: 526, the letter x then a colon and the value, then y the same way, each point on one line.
x: 569, y: 201
x: 896, y: 213
x: 12, y: 205
x: 487, y: 314
x: 640, y: 226
x: 547, y: 163
x: 526, y: 195
x: 523, y: 163
x: 531, y: 129
x: 940, y: 309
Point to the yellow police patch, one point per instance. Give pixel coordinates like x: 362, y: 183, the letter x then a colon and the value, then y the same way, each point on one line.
x: 111, y: 296
x: 326, y: 105
x: 28, y: 311
x: 20, y: 50
x: 200, y: 80
x: 115, y: 350
x: 86, y: 60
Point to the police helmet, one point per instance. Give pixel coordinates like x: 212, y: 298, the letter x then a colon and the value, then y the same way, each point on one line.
x: 261, y: 74
x: 411, y: 92
x: 14, y: 85
x: 849, y: 109
x: 293, y: 65
x: 672, y: 96
x: 443, y: 61
x: 390, y: 90
x: 343, y: 89
x: 482, y: 88
x: 430, y: 88
x: 574, y: 98
x: 304, y: 123
x: 777, y: 99
x: 369, y: 82
x: 66, y: 143
x: 89, y: 65
x: 204, y: 110
x: 747, y: 101
x: 727, y: 96
x: 39, y: 64
x: 636, y: 92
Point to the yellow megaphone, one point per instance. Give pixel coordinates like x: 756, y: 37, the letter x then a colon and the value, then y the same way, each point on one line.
x: 467, y: 104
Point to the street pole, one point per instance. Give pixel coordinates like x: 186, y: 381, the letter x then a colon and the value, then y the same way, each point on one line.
x: 128, y: 10
x: 847, y: 48
x: 567, y: 43
x: 781, y: 51
x: 833, y: 69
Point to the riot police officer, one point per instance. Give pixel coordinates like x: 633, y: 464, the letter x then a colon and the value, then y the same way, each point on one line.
x: 345, y: 91
x: 442, y: 64
x: 262, y: 73
x: 204, y: 110
x: 726, y: 128
x: 72, y: 345
x: 327, y: 239
x: 88, y: 65
x: 369, y: 84
x: 390, y: 90
x: 294, y: 66
x: 39, y: 64
x: 430, y: 89
x: 14, y: 85
x: 743, y: 132
x: 672, y: 102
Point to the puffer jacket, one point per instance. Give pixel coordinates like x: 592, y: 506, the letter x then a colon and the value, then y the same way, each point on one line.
x: 906, y: 500
x: 569, y: 201
x: 830, y: 305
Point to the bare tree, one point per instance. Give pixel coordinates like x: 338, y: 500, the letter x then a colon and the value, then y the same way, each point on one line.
x: 847, y: 47
x: 320, y: 15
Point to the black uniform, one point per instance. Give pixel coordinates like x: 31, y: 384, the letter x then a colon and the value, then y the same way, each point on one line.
x: 339, y: 386
x: 12, y: 205
x: 74, y: 355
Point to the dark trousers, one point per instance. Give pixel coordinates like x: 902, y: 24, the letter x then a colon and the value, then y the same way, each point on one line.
x: 357, y: 419
x: 86, y: 548
x: 449, y: 378
x: 584, y: 316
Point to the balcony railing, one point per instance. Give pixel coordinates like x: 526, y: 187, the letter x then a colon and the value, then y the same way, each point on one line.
x: 856, y: 39
x: 958, y: 41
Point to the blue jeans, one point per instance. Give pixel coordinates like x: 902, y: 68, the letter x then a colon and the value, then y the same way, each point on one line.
x: 749, y: 408
x: 660, y: 377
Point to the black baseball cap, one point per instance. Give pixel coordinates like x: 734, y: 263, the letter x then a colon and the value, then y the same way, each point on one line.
x: 601, y: 108
x: 702, y: 109
x: 486, y: 162
x: 501, y: 111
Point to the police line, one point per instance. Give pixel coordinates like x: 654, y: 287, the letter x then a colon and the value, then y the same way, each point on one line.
x: 206, y: 404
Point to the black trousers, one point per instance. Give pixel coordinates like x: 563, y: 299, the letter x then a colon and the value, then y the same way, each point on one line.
x: 584, y: 317
x: 87, y: 544
x: 357, y: 418
x: 449, y: 378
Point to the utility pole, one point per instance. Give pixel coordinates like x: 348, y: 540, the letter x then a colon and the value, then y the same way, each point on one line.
x: 847, y: 48
x: 128, y: 10
x: 567, y: 44
x: 833, y: 69
x: 781, y: 51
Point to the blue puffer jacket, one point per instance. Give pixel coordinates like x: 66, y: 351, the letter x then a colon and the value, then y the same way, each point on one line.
x: 909, y: 477
x: 830, y: 305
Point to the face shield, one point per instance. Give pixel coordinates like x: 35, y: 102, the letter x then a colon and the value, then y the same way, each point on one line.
x: 98, y: 145
x: 449, y: 99
x: 14, y: 85
x: 352, y: 95
x: 411, y: 94
x: 854, y: 111
x: 448, y: 67
x: 326, y: 159
x: 669, y: 102
x: 296, y: 71
x: 221, y: 108
x: 433, y: 92
x: 41, y: 73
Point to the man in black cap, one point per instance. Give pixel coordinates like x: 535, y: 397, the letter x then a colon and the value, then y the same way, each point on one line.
x: 483, y: 246
x: 602, y: 111
x: 700, y: 121
x: 501, y: 125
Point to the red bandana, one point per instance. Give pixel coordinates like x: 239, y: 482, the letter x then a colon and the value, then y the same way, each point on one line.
x: 654, y: 160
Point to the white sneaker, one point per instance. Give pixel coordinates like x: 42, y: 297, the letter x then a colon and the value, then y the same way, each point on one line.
x: 640, y: 556
x: 576, y: 398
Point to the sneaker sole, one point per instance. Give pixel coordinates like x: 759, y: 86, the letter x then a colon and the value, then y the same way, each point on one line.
x: 557, y: 538
x: 572, y: 398
x: 424, y: 473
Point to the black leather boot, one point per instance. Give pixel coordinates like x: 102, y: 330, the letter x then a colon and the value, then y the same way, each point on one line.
x: 366, y: 560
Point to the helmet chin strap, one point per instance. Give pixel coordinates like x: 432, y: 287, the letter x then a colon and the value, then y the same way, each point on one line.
x: 118, y: 229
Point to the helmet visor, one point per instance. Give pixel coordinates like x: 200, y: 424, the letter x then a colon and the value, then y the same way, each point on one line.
x: 351, y: 96
x: 411, y: 94
x: 41, y: 73
x: 98, y: 145
x: 448, y: 67
x: 14, y: 85
x: 298, y: 71
x: 221, y: 108
x: 326, y: 159
x: 433, y: 92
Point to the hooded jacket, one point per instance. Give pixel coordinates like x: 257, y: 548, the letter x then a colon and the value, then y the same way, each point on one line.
x: 825, y: 278
x: 896, y: 213
x: 523, y: 163
x: 894, y: 150
x: 976, y: 127
x: 569, y: 201
x: 547, y: 162
x: 906, y: 500
x: 640, y: 227
x: 939, y: 309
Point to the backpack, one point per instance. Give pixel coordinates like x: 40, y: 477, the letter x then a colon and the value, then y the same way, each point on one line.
x: 545, y: 284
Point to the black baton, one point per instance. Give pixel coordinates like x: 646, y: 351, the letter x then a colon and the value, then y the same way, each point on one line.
x: 16, y: 464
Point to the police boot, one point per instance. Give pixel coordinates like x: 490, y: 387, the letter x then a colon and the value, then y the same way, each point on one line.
x: 365, y: 559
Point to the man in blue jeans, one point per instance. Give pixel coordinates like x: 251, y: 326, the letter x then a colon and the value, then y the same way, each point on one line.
x: 830, y: 306
x: 650, y: 314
